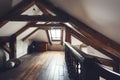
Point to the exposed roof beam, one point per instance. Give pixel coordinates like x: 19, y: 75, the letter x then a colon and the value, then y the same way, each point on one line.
x: 100, y: 40
x: 91, y: 43
x: 38, y: 18
x: 17, y: 10
x: 104, y: 42
x: 21, y: 31
x: 46, y: 25
x: 3, y: 23
x: 42, y: 8
x: 48, y: 28
x: 24, y: 28
x: 30, y: 34
x: 4, y: 38
x: 48, y: 37
x: 52, y: 8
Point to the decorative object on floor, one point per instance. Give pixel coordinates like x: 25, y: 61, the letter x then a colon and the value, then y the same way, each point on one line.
x: 12, y: 63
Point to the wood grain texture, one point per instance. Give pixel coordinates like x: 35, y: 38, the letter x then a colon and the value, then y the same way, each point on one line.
x: 48, y: 65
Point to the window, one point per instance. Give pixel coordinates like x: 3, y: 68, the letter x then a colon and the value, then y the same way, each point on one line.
x: 55, y: 34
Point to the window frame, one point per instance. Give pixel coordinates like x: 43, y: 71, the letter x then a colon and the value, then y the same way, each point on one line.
x: 55, y: 36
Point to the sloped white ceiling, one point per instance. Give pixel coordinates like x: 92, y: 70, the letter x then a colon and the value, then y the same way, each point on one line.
x: 25, y: 33
x: 101, y: 15
x: 7, y: 5
x: 34, y: 10
x: 15, y: 2
x: 39, y: 35
x: 11, y: 27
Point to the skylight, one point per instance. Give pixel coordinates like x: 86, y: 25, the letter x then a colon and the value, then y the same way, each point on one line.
x: 55, y: 34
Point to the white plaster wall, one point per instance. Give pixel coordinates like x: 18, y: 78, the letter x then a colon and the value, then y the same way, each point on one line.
x: 11, y: 27
x: 21, y: 48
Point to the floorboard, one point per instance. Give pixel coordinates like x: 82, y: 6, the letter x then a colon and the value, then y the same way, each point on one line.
x: 48, y: 65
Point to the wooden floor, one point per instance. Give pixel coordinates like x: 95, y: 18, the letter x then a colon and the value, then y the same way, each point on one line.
x: 48, y: 65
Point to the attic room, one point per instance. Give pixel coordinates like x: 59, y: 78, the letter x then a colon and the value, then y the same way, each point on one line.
x: 59, y: 40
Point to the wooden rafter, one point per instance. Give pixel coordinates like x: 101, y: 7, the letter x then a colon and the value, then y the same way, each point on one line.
x: 91, y: 43
x: 100, y: 40
x: 4, y: 39
x: 49, y: 27
x: 104, y: 43
x: 17, y: 10
x: 52, y: 8
x: 30, y: 34
x: 38, y: 18
x: 45, y: 25
x: 24, y: 28
x: 42, y: 8
x: 21, y: 31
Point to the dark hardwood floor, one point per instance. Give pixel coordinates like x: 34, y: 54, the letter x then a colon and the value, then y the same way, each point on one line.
x: 48, y: 65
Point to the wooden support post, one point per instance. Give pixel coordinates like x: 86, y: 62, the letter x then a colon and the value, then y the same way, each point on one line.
x: 12, y: 44
x: 88, y: 68
x: 62, y: 37
x: 68, y: 36
x: 48, y: 37
x: 116, y: 67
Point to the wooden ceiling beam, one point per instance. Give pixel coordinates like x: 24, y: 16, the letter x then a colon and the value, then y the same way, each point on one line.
x: 38, y: 18
x: 100, y: 40
x: 4, y: 39
x: 17, y: 10
x: 48, y: 28
x: 24, y: 28
x: 42, y: 8
x: 30, y: 34
x: 87, y: 41
x: 104, y: 43
x: 52, y: 8
x: 46, y: 25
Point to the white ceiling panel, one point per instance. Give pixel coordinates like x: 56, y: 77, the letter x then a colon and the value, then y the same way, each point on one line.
x: 101, y: 15
x: 34, y: 10
x: 40, y: 35
x: 11, y: 27
x: 25, y: 33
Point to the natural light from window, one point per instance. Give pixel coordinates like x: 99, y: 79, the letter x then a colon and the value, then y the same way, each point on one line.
x: 55, y: 34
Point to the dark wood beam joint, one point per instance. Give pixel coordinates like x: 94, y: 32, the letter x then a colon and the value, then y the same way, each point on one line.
x: 48, y: 37
x: 12, y: 44
x: 38, y: 18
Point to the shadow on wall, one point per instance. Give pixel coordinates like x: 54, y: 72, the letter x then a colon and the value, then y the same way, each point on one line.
x: 2, y: 59
x: 5, y: 6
